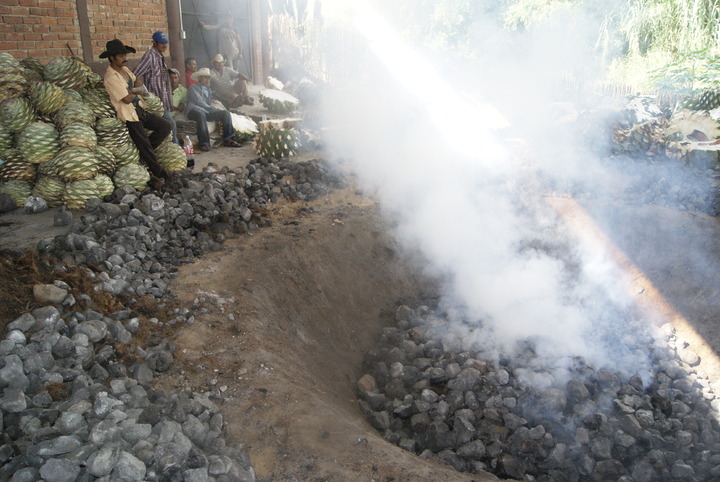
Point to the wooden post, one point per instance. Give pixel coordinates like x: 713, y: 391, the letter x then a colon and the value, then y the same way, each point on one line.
x: 256, y: 29
x: 177, y: 48
x: 85, y: 37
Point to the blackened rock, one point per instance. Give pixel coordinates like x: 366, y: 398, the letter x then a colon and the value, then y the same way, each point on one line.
x: 7, y: 203
x: 609, y: 469
x: 513, y: 466
x: 438, y: 437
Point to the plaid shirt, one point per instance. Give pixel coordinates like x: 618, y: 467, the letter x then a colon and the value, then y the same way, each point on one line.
x: 155, y: 73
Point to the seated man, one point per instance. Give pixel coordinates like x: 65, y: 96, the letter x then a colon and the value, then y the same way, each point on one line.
x: 179, y: 93
x: 229, y: 86
x: 200, y: 110
x: 120, y: 82
x: 190, y: 68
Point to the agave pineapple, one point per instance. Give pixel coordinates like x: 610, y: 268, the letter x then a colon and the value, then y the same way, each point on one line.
x: 75, y: 163
x: 104, y: 184
x: 708, y: 99
x: 46, y: 97
x: 16, y: 114
x: 6, y: 138
x: 78, y: 192
x: 106, y: 160
x: 39, y: 142
x: 126, y: 154
x: 13, y: 82
x: 18, y: 190
x: 276, y: 140
x: 16, y: 167
x: 171, y: 156
x: 133, y: 175
x: 153, y: 104
x: 245, y: 128
x: 99, y: 102
x: 50, y: 188
x: 111, y: 132
x: 74, y: 111
x: 66, y: 72
x: 78, y: 134
x: 278, y: 102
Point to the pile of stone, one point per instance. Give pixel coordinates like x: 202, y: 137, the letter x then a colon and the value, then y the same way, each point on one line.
x: 71, y: 410
x: 475, y: 415
x: 74, y: 406
x: 136, y: 239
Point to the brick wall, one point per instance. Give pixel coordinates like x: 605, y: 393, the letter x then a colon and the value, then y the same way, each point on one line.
x: 38, y: 28
x: 133, y: 22
x: 42, y: 28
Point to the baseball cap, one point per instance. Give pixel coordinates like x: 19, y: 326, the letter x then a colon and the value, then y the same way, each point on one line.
x: 160, y: 37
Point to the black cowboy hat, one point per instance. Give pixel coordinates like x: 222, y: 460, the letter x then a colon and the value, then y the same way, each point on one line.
x: 115, y: 47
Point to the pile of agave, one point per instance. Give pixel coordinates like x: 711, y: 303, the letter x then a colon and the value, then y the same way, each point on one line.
x: 60, y: 138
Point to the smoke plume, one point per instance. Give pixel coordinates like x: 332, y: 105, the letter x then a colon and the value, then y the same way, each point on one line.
x: 462, y: 154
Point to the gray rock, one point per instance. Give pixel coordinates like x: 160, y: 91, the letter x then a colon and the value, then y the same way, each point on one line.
x: 142, y: 373
x: 26, y: 474
x: 95, y: 330
x: 61, y: 445
x: 63, y: 217
x: 70, y: 422
x: 13, y: 400
x: 196, y: 475
x: 47, y: 317
x: 34, y: 204
x: 128, y: 468
x: 12, y: 375
x: 23, y: 323
x: 102, y: 463
x: 59, y: 470
x: 17, y: 337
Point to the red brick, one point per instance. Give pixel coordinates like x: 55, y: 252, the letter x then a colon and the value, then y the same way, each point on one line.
x: 8, y: 45
x: 20, y: 11
x: 11, y: 19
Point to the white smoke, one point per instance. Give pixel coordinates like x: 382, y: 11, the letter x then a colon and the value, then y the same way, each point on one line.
x: 442, y: 163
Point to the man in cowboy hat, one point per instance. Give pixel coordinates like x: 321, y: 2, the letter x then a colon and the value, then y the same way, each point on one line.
x: 230, y: 86
x: 122, y: 87
x: 200, y: 109
x: 154, y: 72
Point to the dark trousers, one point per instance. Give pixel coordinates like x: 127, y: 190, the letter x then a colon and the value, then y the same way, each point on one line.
x: 201, y: 119
x: 146, y: 144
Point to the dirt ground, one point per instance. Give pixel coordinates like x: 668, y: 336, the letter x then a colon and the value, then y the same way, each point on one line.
x: 298, y: 306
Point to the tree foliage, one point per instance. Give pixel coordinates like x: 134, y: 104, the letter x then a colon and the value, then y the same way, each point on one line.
x: 685, y: 32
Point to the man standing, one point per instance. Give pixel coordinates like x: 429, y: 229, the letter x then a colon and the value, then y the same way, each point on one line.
x: 154, y: 72
x: 200, y: 110
x: 229, y: 85
x: 120, y: 82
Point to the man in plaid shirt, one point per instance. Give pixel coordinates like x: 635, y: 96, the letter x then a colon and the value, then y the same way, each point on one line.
x: 154, y: 72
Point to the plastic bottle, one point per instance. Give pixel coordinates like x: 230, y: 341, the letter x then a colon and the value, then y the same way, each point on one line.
x: 189, y: 152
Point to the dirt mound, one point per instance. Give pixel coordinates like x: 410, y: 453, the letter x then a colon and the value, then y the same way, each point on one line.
x: 295, y: 309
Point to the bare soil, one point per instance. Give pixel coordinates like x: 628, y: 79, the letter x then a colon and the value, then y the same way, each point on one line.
x: 298, y: 306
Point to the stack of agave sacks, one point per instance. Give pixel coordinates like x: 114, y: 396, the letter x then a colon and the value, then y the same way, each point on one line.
x: 60, y: 138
